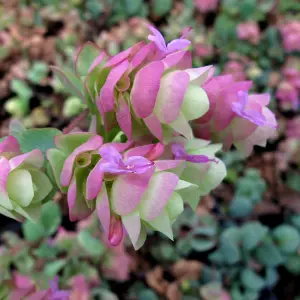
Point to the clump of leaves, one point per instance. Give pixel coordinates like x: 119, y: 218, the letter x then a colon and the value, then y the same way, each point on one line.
x: 249, y: 192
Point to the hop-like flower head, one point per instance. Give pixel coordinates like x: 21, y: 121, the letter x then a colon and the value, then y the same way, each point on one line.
x: 23, y: 184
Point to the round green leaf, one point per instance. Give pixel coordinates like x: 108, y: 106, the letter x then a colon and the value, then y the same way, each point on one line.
x: 287, y: 238
x: 50, y: 217
x: 293, y: 264
x: 52, y: 268
x: 32, y: 231
x: 240, y: 207
x: 202, y: 245
x: 251, y: 280
x: 272, y: 276
x: 268, y: 254
x: 92, y: 245
x: 252, y: 234
x: 162, y: 7
x: 40, y: 138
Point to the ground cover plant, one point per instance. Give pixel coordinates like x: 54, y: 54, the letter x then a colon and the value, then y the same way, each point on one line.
x: 149, y: 149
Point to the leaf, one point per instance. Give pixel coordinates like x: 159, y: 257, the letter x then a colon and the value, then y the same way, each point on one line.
x: 240, y: 207
x: 251, y: 186
x: 51, y: 217
x: 21, y: 89
x: 252, y: 234
x: 38, y: 138
x: 293, y: 264
x: 266, y: 5
x: 202, y: 245
x: 38, y: 72
x: 148, y: 294
x: 203, y: 238
x: 292, y: 181
x: 217, y: 257
x: 230, y: 245
x: 287, y: 238
x: 45, y: 251
x: 85, y: 57
x: 104, y: 294
x: 184, y: 246
x: 268, y: 254
x: 16, y: 128
x: 251, y: 280
x: 162, y: 7
x: 296, y: 221
x: 231, y: 252
x: 94, y: 7
x: 247, y: 7
x: 71, y: 83
x: 32, y: 231
x: 90, y: 244
x: 272, y: 277
x: 52, y: 268
x: 133, y: 6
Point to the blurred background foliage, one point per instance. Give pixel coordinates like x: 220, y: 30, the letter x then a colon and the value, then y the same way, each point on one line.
x: 244, y: 240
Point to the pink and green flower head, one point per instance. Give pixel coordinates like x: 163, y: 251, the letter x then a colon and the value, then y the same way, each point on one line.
x: 75, y: 167
x: 23, y: 184
x: 234, y: 117
x: 140, y: 194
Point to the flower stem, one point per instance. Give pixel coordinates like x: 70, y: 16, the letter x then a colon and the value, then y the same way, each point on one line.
x: 75, y: 122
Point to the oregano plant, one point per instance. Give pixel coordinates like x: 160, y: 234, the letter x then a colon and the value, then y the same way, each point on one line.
x: 156, y: 124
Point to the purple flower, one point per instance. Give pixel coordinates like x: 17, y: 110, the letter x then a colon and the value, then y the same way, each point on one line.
x: 55, y: 293
x: 112, y: 162
x: 175, y: 45
x: 181, y: 154
x: 253, y: 114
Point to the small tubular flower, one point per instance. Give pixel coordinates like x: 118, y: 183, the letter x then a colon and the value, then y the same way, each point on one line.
x: 23, y: 185
x: 234, y: 117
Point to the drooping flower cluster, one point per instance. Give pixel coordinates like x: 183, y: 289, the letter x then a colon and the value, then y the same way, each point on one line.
x: 140, y: 162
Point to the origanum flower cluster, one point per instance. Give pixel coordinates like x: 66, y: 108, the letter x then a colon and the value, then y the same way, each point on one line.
x: 156, y: 126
